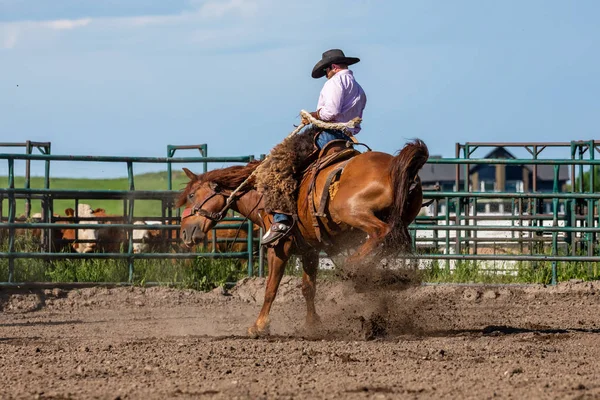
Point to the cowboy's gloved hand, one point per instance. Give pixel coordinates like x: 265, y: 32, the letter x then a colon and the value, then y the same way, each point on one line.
x: 314, y: 114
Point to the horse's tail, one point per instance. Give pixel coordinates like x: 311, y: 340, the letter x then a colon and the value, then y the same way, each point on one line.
x: 403, y: 171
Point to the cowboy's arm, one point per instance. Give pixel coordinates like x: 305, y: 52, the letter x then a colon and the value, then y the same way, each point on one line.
x: 332, y: 96
x: 330, y: 102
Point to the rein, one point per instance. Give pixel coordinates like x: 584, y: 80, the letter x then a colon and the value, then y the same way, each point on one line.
x: 237, y: 233
x: 213, y: 216
x: 219, y: 215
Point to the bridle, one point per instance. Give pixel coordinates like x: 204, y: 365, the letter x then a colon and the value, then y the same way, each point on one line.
x: 197, y: 210
x: 219, y: 215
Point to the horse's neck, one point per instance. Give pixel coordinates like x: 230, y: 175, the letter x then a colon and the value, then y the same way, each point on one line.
x: 248, y: 206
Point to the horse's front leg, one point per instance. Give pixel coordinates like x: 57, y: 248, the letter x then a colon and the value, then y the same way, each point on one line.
x: 277, y: 258
x: 310, y: 265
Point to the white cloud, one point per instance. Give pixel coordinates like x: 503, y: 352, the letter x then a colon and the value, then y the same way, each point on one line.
x: 67, y: 24
x: 203, y: 10
x: 12, y: 33
x: 217, y: 9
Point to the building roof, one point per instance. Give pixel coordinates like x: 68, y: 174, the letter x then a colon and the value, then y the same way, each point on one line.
x: 432, y: 173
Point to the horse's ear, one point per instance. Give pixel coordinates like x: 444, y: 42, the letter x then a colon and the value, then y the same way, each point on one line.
x: 214, y: 186
x: 189, y: 173
x: 69, y: 212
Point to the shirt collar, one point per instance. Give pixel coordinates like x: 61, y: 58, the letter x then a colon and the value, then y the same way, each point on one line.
x: 345, y: 71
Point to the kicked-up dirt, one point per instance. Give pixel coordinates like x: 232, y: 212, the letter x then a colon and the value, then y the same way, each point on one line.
x: 406, y: 341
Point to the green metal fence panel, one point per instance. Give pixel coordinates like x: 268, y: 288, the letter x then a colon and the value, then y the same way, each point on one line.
x: 535, y: 223
x: 49, y: 223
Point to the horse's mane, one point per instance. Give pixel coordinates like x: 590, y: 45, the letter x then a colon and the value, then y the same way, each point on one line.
x: 227, y: 178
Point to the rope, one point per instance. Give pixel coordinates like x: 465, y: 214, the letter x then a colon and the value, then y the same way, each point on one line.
x: 341, y: 126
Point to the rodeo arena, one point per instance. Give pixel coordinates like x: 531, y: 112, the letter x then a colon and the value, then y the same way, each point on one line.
x: 488, y: 287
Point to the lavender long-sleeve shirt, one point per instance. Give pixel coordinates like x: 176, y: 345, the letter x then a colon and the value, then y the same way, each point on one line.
x: 342, y: 99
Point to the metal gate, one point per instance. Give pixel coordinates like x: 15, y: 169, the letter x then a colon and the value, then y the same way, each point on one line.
x: 47, y: 195
x: 551, y: 224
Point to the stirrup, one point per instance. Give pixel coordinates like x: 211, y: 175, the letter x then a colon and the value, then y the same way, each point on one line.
x: 277, y: 231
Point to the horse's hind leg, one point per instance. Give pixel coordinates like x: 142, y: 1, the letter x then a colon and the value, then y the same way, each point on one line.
x: 277, y: 259
x: 310, y: 264
x: 372, y: 226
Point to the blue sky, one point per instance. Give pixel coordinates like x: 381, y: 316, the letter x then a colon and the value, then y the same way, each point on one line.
x: 130, y: 77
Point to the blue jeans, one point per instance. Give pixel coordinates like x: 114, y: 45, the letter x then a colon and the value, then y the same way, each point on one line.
x: 329, y: 135
x: 281, y: 217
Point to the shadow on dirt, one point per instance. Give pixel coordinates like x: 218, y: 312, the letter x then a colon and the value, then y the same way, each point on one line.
x: 47, y: 323
x: 501, y: 330
x: 510, y: 330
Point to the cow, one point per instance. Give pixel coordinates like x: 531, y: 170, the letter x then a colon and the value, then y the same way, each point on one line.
x: 32, y: 237
x: 149, y: 240
x: 22, y: 235
x: 82, y: 240
x: 59, y: 242
x: 110, y: 239
x: 105, y: 239
x: 152, y: 240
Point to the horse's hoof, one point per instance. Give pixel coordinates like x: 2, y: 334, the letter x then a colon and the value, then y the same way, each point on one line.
x: 313, y: 323
x: 312, y: 329
x: 254, y: 332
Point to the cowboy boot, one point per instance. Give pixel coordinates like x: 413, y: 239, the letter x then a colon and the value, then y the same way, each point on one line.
x: 278, y: 230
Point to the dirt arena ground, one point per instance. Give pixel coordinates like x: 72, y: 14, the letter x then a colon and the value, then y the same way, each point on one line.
x: 415, y: 342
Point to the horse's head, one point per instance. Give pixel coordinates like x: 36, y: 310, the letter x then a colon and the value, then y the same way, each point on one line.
x: 203, y: 200
x: 206, y: 198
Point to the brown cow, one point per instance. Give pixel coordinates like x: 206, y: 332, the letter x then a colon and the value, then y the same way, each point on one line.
x: 33, y: 236
x: 61, y: 238
x: 105, y: 239
x: 110, y: 239
x: 22, y: 235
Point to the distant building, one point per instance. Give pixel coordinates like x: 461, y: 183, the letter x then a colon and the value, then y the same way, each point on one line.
x: 495, y: 178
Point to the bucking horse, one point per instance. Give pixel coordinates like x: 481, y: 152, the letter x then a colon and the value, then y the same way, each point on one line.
x: 370, y: 196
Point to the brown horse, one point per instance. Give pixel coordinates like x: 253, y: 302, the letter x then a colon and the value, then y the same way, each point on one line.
x: 378, y: 196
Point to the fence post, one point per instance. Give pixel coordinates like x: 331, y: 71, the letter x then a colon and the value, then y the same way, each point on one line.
x: 11, y: 220
x: 458, y: 202
x: 28, y: 179
x: 591, y: 235
x: 555, y: 224
x: 130, y: 220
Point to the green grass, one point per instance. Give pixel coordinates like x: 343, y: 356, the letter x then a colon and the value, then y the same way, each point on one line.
x: 198, y: 273
x: 148, y: 181
x: 203, y: 273
x: 207, y: 273
x: 523, y: 272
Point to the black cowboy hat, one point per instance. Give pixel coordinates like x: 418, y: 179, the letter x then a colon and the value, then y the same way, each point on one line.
x: 334, y: 56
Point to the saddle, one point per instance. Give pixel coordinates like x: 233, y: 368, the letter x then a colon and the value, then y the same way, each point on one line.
x: 339, y: 153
